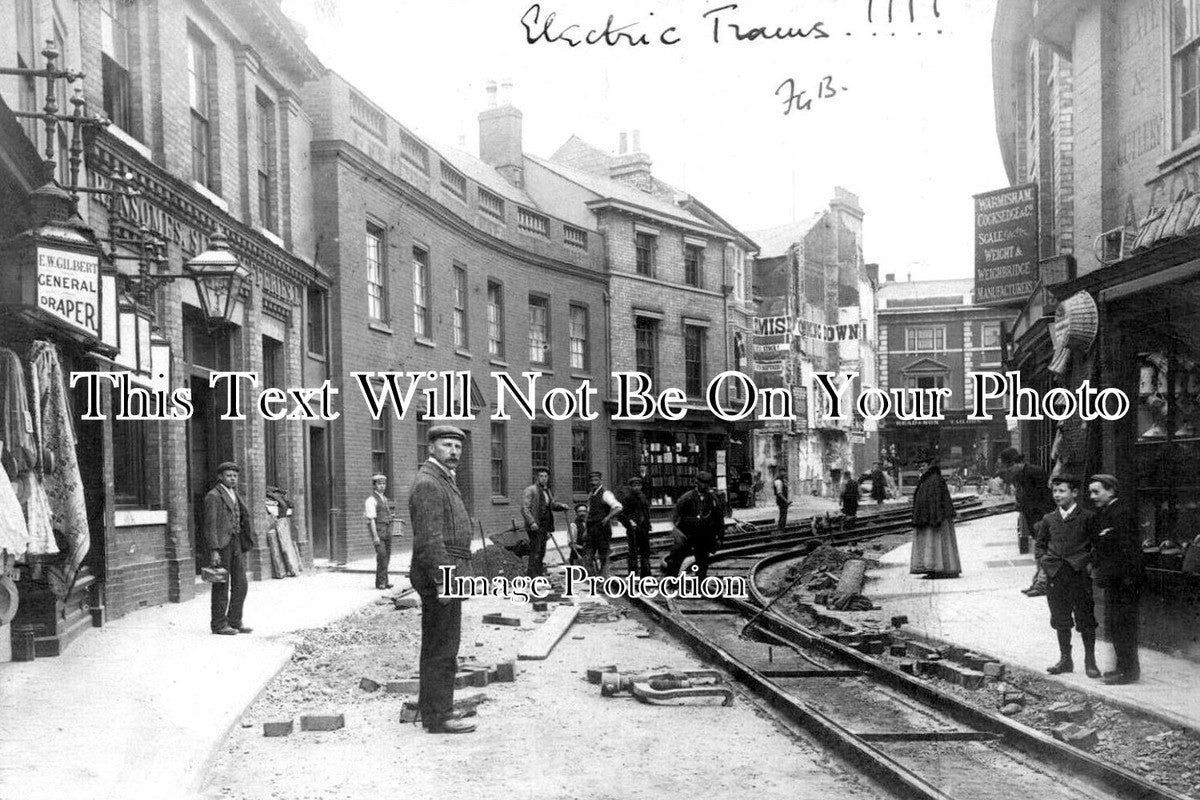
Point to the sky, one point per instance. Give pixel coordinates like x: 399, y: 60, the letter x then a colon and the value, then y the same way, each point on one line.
x: 909, y: 127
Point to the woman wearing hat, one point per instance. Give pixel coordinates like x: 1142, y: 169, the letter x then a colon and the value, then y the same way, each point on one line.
x: 935, y: 549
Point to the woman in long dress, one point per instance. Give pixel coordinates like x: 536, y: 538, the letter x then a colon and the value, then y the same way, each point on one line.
x: 935, y: 548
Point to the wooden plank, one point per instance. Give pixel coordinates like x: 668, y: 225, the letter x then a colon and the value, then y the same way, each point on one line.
x: 547, y: 635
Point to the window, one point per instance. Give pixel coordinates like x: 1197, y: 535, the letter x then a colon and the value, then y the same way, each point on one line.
x: 643, y: 244
x: 925, y: 381
x: 200, y: 90
x: 115, y: 55
x: 495, y: 310
x: 1185, y: 68
x: 376, y: 275
x: 460, y: 307
x: 645, y: 344
x: 422, y: 438
x: 381, y: 446
x: 422, y: 311
x: 272, y: 375
x: 736, y: 263
x: 316, y: 322
x: 693, y: 359
x: 579, y: 337
x: 991, y: 335
x: 539, y: 331
x: 267, y: 174
x: 499, y: 460
x: 693, y: 264
x: 453, y: 181
x: 581, y: 459
x: 539, y: 447
x: 931, y: 338
x: 129, y: 452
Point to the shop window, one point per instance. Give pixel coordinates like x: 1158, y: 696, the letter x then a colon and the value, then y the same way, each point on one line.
x: 645, y: 344
x: 929, y: 338
x: 273, y: 375
x: 460, y: 307
x: 267, y: 173
x: 1185, y: 68
x: 925, y: 381
x: 539, y: 331
x: 129, y: 453
x: 495, y: 315
x: 316, y: 322
x: 117, y: 23
x: 377, y: 305
x: 693, y: 359
x: 201, y: 90
x: 581, y: 459
x: 693, y: 264
x: 579, y: 337
x: 539, y: 447
x: 672, y: 461
x: 644, y: 246
x: 499, y: 460
x: 381, y: 446
x: 422, y: 309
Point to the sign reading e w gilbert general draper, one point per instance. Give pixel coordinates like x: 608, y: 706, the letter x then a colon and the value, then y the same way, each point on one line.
x: 1006, y: 245
x: 68, y: 288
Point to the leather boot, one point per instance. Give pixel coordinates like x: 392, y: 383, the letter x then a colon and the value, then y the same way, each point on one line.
x: 1064, y: 662
x: 1090, y: 668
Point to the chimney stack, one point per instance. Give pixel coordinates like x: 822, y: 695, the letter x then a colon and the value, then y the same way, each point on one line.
x: 637, y: 141
x: 889, y: 277
x: 632, y: 167
x: 500, y: 144
x: 624, y: 143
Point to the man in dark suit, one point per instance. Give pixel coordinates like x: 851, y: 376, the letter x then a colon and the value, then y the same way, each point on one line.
x: 1119, y: 572
x: 229, y: 537
x: 700, y: 518
x: 1065, y: 538
x: 635, y: 516
x: 441, y: 537
x: 537, y: 508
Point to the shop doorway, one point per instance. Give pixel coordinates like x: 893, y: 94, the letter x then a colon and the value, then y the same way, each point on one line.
x: 318, y: 492
x: 210, y: 441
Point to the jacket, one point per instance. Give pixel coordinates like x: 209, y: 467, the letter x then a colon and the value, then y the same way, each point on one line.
x: 1031, y: 489
x: 635, y: 514
x: 697, y: 515
x: 441, y: 528
x: 1118, y: 545
x: 538, y: 507
x: 878, y: 485
x: 1065, y: 541
x: 931, y: 501
x: 224, y: 519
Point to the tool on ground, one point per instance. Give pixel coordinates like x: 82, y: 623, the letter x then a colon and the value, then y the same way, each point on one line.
x: 660, y: 687
x: 573, y: 544
x: 558, y: 549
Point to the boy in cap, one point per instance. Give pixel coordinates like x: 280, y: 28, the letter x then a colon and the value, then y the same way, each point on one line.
x: 228, y: 536
x: 1064, y: 543
x: 380, y: 516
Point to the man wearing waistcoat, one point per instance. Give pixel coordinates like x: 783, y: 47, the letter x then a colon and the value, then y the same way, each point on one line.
x: 441, y: 537
x: 537, y: 508
x: 380, y: 517
x: 1065, y: 539
x: 602, y: 507
x: 1119, y: 574
x: 229, y: 537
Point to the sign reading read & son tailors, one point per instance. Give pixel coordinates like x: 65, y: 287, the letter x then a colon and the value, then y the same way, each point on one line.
x: 1006, y: 245
x: 68, y: 288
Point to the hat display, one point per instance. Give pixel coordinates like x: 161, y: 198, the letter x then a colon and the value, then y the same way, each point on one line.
x: 228, y: 465
x: 446, y: 432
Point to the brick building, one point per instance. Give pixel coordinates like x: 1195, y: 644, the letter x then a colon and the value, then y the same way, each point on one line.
x: 812, y: 282
x: 443, y: 261
x: 680, y: 305
x: 207, y: 128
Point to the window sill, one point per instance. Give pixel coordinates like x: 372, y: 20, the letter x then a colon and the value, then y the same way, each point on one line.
x: 131, y: 141
x: 458, y: 351
x: 498, y: 362
x: 380, y: 327
x: 211, y: 196
x: 1180, y: 154
x: 498, y: 500
x: 316, y: 356
x: 542, y: 368
x: 270, y: 235
x: 134, y: 517
x: 424, y: 341
x: 581, y: 376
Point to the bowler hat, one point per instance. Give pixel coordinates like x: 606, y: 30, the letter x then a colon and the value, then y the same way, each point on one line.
x: 228, y: 465
x: 446, y: 432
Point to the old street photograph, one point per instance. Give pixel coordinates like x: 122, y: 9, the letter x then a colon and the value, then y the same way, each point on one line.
x: 572, y: 400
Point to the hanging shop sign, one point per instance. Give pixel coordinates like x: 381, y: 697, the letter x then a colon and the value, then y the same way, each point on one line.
x: 1076, y: 321
x: 68, y: 288
x: 1006, y: 245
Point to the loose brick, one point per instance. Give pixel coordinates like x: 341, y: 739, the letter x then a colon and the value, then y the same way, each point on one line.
x: 368, y: 685
x: 898, y: 650
x: 322, y: 722
x: 479, y: 677
x: 541, y: 606
x: 908, y: 667
x: 283, y: 728
x: 993, y: 669
x: 1076, y: 735
x: 408, y: 712
x: 408, y: 686
x: 500, y: 619
x: 1011, y: 709
x: 506, y: 671
x: 462, y: 680
x: 1012, y: 696
x: 594, y: 673
x: 899, y: 620
x: 1068, y: 712
x: 920, y: 650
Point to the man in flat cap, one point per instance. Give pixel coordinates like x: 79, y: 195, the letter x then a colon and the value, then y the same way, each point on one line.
x: 1118, y: 570
x: 537, y: 508
x: 635, y: 516
x: 602, y: 508
x: 228, y: 536
x: 700, y: 521
x: 441, y: 537
x: 380, y: 516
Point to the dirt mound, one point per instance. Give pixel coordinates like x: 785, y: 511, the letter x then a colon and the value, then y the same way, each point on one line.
x: 824, y: 559
x: 494, y: 561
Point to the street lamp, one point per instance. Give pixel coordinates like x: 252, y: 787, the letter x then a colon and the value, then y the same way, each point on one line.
x: 219, y: 278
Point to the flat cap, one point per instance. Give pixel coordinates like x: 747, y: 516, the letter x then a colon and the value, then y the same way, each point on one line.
x: 228, y: 465
x: 446, y: 432
x: 378, y: 476
x: 704, y: 477
x: 1107, y: 481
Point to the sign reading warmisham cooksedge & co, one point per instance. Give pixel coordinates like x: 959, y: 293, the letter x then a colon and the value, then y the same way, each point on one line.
x: 1006, y: 245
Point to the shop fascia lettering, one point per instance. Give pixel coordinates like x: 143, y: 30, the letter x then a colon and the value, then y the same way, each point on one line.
x: 784, y: 325
x: 68, y: 288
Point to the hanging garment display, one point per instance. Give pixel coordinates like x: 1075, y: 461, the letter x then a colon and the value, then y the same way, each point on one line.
x: 32, y: 497
x: 64, y: 485
x: 16, y: 423
x: 14, y: 534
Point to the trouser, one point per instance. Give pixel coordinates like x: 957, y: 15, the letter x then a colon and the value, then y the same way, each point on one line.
x: 441, y: 631
x: 537, y: 551
x: 698, y: 545
x: 383, y: 559
x: 1069, y: 595
x: 1121, y: 622
x: 599, y: 543
x: 228, y: 598
x: 637, y: 540
x: 783, y: 512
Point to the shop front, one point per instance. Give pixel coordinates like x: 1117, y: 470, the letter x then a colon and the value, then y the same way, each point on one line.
x: 966, y: 448
x: 668, y: 458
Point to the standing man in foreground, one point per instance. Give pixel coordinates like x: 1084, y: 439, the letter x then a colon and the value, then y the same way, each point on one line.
x: 380, y: 517
x: 602, y: 507
x: 228, y: 535
x: 441, y: 537
x: 1118, y: 568
x: 538, y: 507
x: 635, y: 516
x: 782, y: 500
x: 700, y: 517
x: 1064, y: 550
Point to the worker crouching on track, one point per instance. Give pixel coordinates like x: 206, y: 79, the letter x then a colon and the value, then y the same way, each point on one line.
x: 1064, y: 543
x: 700, y: 524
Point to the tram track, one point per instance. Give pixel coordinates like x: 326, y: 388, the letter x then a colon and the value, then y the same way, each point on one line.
x: 909, y: 735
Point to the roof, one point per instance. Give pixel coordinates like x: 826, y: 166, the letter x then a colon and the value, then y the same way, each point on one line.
x: 910, y: 294
x: 609, y: 189
x: 482, y: 173
x: 775, y: 242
